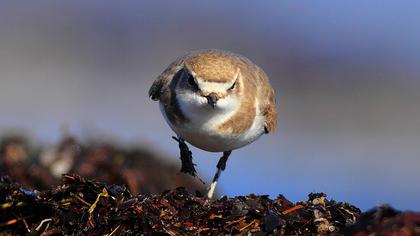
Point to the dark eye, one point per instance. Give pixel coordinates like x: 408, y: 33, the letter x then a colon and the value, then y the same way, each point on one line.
x: 191, y: 81
x: 233, y: 86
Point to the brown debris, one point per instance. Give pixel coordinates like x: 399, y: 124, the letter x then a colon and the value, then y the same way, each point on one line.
x: 385, y: 220
x: 80, y: 206
x: 111, y: 204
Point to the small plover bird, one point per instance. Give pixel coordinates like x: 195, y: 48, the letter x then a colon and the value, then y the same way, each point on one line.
x: 217, y: 101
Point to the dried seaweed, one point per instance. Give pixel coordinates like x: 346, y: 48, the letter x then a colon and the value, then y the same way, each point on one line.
x: 80, y: 206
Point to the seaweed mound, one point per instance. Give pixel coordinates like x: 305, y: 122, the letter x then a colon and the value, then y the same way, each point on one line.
x: 80, y: 206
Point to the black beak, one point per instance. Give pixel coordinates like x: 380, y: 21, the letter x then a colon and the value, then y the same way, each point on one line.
x: 212, y: 99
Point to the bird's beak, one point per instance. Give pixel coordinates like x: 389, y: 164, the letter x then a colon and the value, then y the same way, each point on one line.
x: 212, y: 99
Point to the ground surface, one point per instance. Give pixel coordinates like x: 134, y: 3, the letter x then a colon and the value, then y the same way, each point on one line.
x: 126, y: 198
x: 84, y: 207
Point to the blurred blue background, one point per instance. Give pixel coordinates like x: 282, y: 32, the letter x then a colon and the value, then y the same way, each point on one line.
x: 347, y: 77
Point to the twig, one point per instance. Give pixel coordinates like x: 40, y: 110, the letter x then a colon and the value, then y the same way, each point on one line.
x: 295, y: 208
x: 26, y: 224
x: 113, y: 231
x: 42, y: 222
x: 202, y: 229
x: 246, y: 226
x: 229, y: 223
x: 93, y: 206
x: 80, y: 199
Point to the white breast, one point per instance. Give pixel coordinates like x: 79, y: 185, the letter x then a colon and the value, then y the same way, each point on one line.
x: 201, y: 130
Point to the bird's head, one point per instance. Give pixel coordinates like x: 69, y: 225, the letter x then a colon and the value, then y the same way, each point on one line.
x: 209, y: 86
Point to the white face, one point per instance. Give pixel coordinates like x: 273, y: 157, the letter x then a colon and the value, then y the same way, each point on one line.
x: 193, y: 90
x: 199, y: 98
x: 197, y: 101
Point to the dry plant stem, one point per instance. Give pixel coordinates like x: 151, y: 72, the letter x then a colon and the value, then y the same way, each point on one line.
x: 93, y: 206
x: 26, y: 224
x: 80, y: 199
x: 292, y: 209
x: 186, y: 158
x: 42, y: 223
x: 221, y: 166
x: 114, y: 231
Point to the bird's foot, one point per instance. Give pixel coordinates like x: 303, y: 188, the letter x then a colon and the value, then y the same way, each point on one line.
x: 187, y: 165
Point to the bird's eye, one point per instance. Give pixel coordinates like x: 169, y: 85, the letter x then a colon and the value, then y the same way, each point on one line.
x: 233, y: 86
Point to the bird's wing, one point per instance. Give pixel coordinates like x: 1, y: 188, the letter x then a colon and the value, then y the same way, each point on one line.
x: 164, y: 80
x: 163, y: 90
x: 268, y: 102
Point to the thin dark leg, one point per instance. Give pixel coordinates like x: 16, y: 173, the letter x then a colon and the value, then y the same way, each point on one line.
x: 221, y: 166
x: 187, y: 166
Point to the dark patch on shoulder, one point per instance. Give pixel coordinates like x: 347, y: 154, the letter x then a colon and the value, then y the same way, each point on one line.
x: 172, y: 109
x: 156, y: 90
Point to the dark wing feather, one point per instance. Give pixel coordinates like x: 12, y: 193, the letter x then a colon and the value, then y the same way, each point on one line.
x: 164, y: 80
x: 156, y: 89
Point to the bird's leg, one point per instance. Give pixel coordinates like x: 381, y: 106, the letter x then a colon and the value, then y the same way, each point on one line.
x: 221, y: 166
x: 186, y: 158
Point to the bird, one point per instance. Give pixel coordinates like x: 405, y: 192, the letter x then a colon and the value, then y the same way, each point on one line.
x: 217, y: 101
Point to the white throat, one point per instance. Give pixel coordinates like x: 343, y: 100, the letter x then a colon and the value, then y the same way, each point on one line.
x: 201, y: 116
